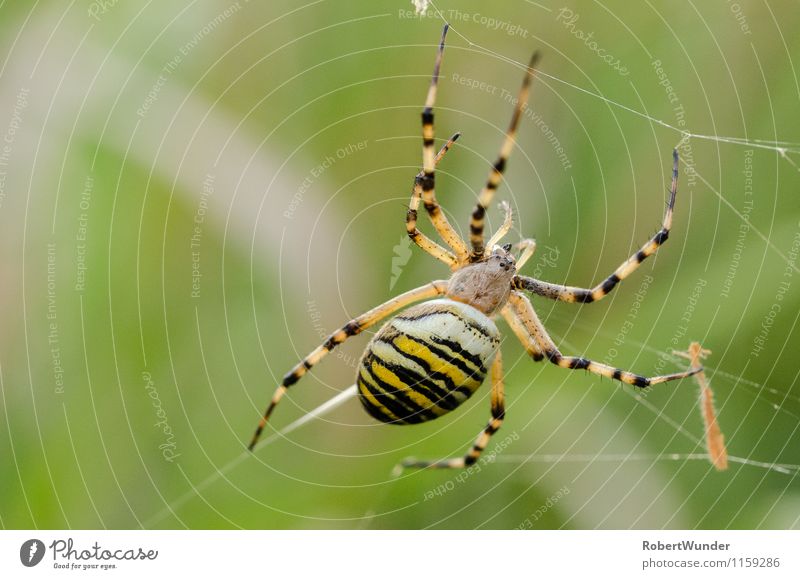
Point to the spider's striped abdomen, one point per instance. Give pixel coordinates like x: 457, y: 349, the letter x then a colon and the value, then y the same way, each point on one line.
x: 426, y: 361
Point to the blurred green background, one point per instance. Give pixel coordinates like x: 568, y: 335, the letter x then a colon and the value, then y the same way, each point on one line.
x: 193, y: 195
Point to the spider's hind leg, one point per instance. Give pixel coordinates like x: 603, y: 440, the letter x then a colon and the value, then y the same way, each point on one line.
x: 351, y: 328
x: 516, y: 325
x: 498, y: 413
x: 527, y: 316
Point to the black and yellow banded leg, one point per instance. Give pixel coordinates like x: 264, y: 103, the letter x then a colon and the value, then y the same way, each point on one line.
x: 427, y: 181
x: 351, y: 328
x: 580, y: 295
x: 498, y: 414
x: 496, y: 173
x: 422, y: 240
x: 524, y: 310
x: 516, y: 325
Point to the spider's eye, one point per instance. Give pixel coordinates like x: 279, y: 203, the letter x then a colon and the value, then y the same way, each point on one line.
x: 507, y: 247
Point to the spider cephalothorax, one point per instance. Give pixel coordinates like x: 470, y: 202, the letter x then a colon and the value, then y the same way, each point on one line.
x: 429, y: 359
x: 485, y: 284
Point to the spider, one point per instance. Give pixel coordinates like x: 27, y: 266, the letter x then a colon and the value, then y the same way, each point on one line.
x: 429, y: 359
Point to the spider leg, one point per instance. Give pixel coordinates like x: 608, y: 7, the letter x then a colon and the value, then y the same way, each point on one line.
x: 528, y: 246
x: 522, y: 334
x: 351, y: 328
x: 575, y: 294
x: 504, y: 228
x: 422, y: 240
x: 496, y: 174
x: 427, y: 181
x: 523, y: 308
x: 498, y: 413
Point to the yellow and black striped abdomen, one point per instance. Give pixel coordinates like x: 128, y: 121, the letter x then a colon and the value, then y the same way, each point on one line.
x: 426, y: 361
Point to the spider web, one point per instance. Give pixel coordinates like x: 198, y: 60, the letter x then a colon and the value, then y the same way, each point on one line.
x: 785, y: 151
x: 784, y: 404
x: 777, y: 407
x: 791, y: 470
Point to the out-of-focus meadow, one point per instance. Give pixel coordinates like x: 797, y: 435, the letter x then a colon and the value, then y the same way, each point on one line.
x: 193, y: 195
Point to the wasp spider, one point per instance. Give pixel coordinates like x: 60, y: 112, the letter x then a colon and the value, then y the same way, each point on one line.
x: 429, y: 359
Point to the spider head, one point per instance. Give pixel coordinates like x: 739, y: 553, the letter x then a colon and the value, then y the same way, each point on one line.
x: 501, y: 259
x: 485, y: 284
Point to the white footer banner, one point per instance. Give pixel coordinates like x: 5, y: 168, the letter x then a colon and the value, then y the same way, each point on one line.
x: 406, y: 554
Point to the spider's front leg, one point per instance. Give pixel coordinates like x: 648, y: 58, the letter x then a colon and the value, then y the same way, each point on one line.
x: 496, y: 173
x: 581, y: 295
x: 498, y: 413
x: 351, y: 328
x: 526, y: 315
x: 423, y: 241
x: 428, y: 178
